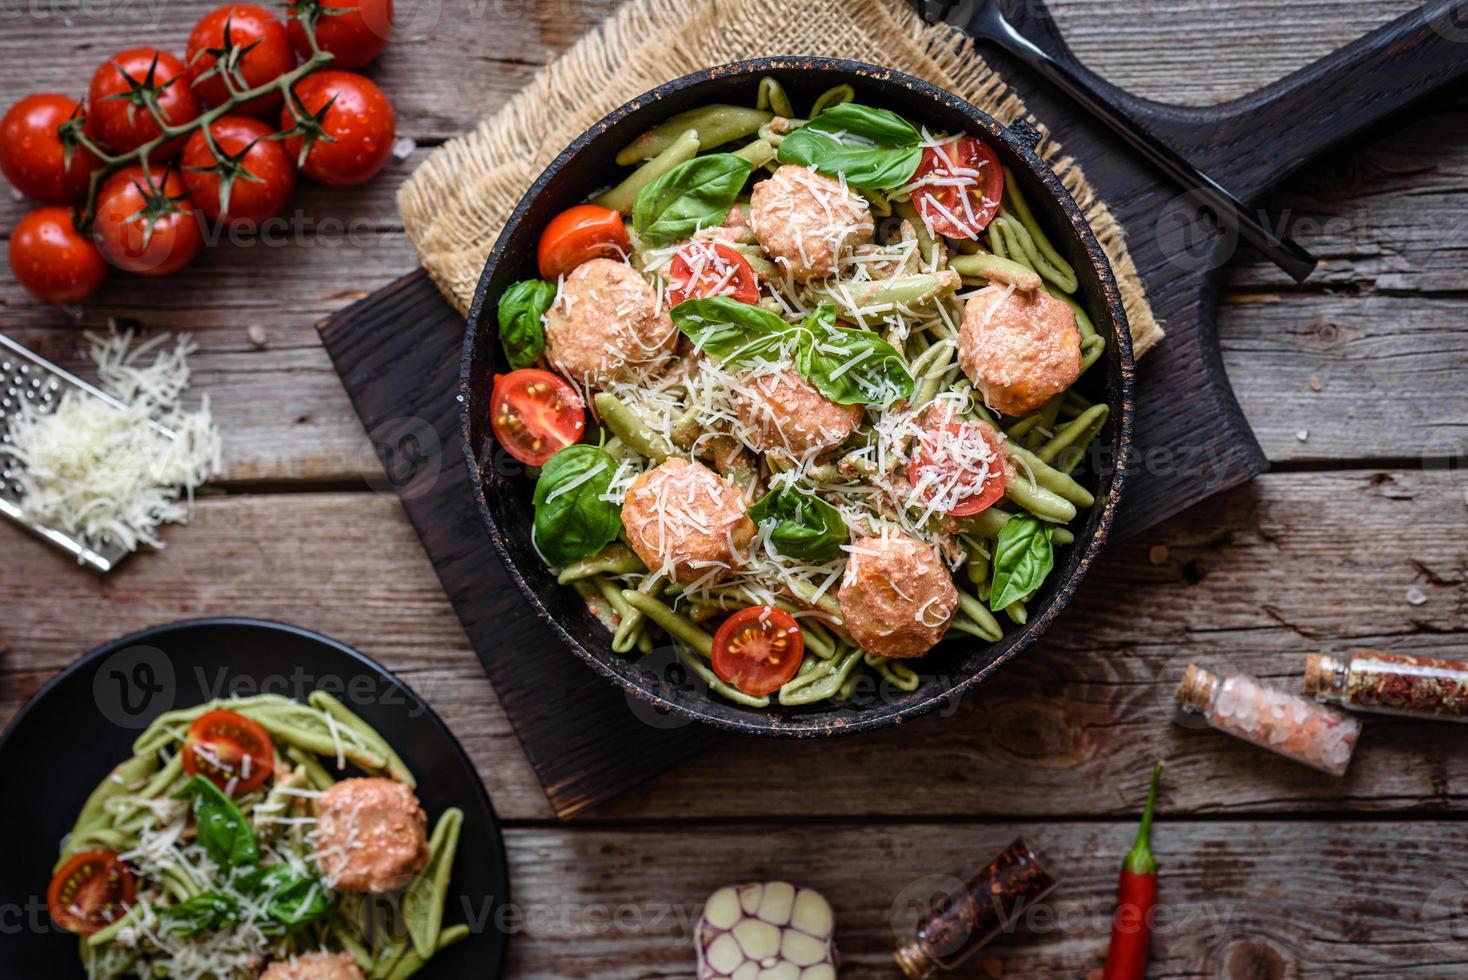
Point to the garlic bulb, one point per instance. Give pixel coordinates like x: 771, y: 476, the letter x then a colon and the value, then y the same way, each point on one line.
x: 766, y: 931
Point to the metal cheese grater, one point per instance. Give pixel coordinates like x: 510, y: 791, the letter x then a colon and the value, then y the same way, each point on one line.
x: 26, y: 377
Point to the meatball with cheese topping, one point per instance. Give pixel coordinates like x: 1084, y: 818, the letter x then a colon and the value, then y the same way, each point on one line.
x: 896, y: 595
x: 784, y: 411
x: 371, y: 835
x: 607, y: 323
x: 1019, y: 349
x: 315, y: 966
x: 683, y: 516
x: 807, y: 222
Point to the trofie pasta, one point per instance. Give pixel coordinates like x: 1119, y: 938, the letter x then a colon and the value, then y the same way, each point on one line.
x: 830, y: 365
x: 226, y: 847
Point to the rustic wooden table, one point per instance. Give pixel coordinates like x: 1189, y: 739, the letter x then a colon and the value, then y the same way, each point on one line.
x: 1355, y: 384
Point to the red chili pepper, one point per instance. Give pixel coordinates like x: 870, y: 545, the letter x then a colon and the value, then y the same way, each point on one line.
x: 1136, y: 895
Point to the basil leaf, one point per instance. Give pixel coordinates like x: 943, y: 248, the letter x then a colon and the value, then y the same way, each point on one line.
x: 572, y: 522
x: 521, y: 331
x: 1022, y: 558
x: 809, y: 528
x: 292, y: 897
x: 207, y: 910
x: 733, y: 332
x: 872, y: 148
x: 221, y: 826
x: 695, y: 194
x: 849, y: 366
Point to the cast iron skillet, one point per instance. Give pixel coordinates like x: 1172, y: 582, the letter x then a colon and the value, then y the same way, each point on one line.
x: 503, y: 494
x: 83, y: 722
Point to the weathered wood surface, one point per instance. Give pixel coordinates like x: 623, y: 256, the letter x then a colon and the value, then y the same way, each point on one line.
x: 1297, y: 563
x: 1321, y: 557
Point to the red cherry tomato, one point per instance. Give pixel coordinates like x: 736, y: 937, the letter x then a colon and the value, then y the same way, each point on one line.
x: 701, y: 269
x: 230, y: 750
x: 90, y: 892
x: 32, y: 154
x: 147, y: 225
x: 968, y: 182
x: 351, y: 111
x: 118, y: 117
x: 758, y: 650
x: 535, y: 414
x: 963, y: 463
x: 262, y: 180
x: 355, y: 31
x: 580, y: 233
x: 52, y: 260
x: 267, y: 54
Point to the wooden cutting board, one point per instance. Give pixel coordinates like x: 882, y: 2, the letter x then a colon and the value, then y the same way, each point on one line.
x: 397, y: 352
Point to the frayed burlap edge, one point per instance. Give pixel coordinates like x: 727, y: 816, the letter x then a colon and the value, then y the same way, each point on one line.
x: 456, y: 202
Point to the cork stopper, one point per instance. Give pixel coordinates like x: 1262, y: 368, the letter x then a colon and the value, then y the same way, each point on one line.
x: 914, y: 963
x: 1196, y: 690
x: 1320, y: 673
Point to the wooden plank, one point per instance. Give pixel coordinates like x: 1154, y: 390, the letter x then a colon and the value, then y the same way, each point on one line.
x: 1236, y: 900
x: 1294, y: 564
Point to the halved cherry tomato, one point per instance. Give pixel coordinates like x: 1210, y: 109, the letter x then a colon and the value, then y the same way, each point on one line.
x: 758, y: 650
x: 535, y: 414
x: 577, y: 234
x: 703, y: 269
x: 947, y: 456
x: 90, y: 892
x: 231, y: 751
x: 967, y: 182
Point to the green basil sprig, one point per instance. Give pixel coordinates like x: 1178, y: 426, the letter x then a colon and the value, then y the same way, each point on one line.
x: 873, y: 149
x: 572, y: 522
x: 205, y: 911
x: 809, y: 528
x: 847, y: 366
x: 295, y: 897
x: 221, y: 826
x: 695, y: 194
x: 1023, y: 557
x: 520, y: 311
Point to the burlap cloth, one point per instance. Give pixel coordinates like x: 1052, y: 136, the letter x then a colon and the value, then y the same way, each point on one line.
x: 455, y: 204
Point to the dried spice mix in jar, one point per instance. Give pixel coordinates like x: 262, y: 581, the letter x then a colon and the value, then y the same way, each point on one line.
x: 1295, y: 727
x: 1391, y: 683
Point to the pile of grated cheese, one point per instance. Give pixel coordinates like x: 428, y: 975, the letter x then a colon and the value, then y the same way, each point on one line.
x: 110, y: 476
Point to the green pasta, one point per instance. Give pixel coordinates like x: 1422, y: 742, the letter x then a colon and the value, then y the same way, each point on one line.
x: 621, y: 197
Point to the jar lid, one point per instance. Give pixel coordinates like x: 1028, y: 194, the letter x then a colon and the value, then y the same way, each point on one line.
x: 1196, y: 689
x: 1320, y: 673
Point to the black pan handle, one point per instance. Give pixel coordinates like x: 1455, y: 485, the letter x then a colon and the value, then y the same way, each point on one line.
x: 1253, y: 143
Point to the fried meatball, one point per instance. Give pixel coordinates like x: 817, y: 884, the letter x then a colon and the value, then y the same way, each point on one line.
x: 371, y: 835
x: 896, y: 595
x: 1019, y: 349
x: 684, y: 514
x: 607, y: 323
x: 806, y: 221
x: 783, y: 411
x: 315, y: 966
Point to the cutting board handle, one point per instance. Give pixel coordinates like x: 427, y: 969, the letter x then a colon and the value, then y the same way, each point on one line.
x: 1253, y: 143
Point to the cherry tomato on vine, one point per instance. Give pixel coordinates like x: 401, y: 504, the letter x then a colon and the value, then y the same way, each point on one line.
x: 949, y: 456
x: 231, y: 751
x: 52, y: 260
x: 33, y: 149
x: 254, y: 40
x: 355, y: 31
x: 577, y: 234
x: 959, y: 211
x: 117, y: 101
x: 535, y: 414
x: 250, y: 184
x: 348, y: 135
x: 701, y: 269
x: 90, y: 892
x: 758, y: 650
x: 147, y: 225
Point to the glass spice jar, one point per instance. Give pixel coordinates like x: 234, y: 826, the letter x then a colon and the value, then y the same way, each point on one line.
x: 958, y: 925
x: 1295, y: 727
x: 1391, y: 683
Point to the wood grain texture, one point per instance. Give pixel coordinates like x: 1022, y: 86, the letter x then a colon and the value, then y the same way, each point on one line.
x: 1294, y: 564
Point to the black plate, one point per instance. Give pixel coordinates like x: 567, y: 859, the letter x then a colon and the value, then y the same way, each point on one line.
x: 502, y: 494
x: 83, y: 722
